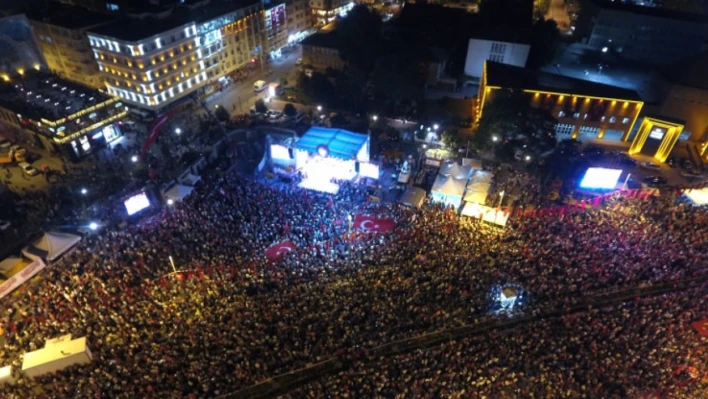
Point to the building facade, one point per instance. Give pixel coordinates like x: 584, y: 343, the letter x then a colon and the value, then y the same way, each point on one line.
x: 325, y: 11
x: 65, y: 46
x: 20, y: 52
x: 173, y: 58
x: 480, y: 50
x: 299, y: 19
x: 644, y: 34
x: 320, y: 52
x: 276, y: 27
x: 59, y: 115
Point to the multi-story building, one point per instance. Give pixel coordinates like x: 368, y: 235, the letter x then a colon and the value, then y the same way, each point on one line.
x: 61, y: 35
x: 19, y: 49
x: 153, y: 63
x: 325, y: 11
x: 299, y: 19
x: 59, y: 115
x: 320, y: 51
x: 505, y: 52
x: 276, y: 27
x: 645, y: 34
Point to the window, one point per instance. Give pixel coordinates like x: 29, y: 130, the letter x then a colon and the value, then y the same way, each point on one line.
x: 625, y: 121
x: 561, y: 114
x: 613, y: 119
x: 576, y: 115
x: 564, y: 130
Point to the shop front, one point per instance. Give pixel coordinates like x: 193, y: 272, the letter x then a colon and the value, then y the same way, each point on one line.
x: 91, y: 142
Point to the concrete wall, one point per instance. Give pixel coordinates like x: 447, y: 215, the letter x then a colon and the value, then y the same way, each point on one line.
x: 479, y: 51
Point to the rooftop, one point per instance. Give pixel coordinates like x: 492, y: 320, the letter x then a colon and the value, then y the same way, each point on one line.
x: 68, y: 17
x: 689, y: 72
x: 40, y: 95
x: 656, y: 12
x: 339, y: 143
x: 513, y: 77
x: 135, y: 29
x: 322, y: 39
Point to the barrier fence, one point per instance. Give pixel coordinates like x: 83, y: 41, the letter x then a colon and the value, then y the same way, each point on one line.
x: 284, y: 383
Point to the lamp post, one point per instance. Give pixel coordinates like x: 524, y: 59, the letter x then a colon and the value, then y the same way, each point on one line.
x: 172, y: 262
x: 501, y: 198
x: 349, y: 217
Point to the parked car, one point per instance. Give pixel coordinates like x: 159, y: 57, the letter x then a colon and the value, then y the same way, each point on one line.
x: 655, y: 181
x: 650, y: 165
x: 28, y: 169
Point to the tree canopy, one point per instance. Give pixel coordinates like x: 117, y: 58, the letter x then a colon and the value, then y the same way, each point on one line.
x: 511, y: 125
x: 359, y: 37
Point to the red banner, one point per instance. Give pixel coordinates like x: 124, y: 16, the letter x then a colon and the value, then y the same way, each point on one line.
x: 154, y: 132
x: 701, y: 327
x: 276, y: 251
x: 368, y: 223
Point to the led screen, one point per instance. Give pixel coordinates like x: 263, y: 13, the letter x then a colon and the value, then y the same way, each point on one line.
x: 657, y: 133
x: 601, y: 178
x: 369, y: 170
x: 279, y: 152
x: 136, y: 203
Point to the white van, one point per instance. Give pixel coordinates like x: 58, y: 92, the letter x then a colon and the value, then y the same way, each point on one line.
x: 260, y: 86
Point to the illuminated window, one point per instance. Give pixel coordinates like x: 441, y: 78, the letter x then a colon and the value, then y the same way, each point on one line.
x: 172, y: 54
x: 153, y: 62
x: 145, y: 79
x: 162, y: 58
x: 157, y: 74
x: 625, y: 121
x: 576, y: 115
x: 174, y: 66
x: 134, y: 77
x: 165, y: 70
x: 141, y: 66
x: 184, y: 62
x: 561, y: 114
x: 102, y: 57
x: 194, y: 58
x: 130, y: 64
x: 613, y: 119
x: 159, y: 87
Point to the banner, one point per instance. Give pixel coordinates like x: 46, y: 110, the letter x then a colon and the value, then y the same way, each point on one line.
x: 19, y: 278
x: 701, y: 327
x: 276, y: 251
x: 154, y: 132
x: 368, y: 223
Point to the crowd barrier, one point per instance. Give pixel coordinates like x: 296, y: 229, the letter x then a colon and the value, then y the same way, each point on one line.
x: 284, y: 383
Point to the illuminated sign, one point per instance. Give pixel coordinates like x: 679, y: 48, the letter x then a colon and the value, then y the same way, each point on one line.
x: 369, y: 170
x: 97, y: 136
x: 279, y: 152
x: 601, y: 178
x: 657, y: 133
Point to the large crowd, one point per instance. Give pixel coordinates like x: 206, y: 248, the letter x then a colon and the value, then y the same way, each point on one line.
x: 233, y: 317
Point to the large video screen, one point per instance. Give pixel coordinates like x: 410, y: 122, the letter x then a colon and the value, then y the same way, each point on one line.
x: 601, y: 178
x: 136, y: 203
x: 369, y: 170
x: 279, y: 152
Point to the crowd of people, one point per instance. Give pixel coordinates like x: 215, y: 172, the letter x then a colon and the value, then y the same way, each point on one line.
x: 638, y: 349
x: 234, y: 317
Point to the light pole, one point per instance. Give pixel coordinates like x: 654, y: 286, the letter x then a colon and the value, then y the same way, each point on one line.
x: 349, y: 217
x: 172, y: 262
x: 501, y: 198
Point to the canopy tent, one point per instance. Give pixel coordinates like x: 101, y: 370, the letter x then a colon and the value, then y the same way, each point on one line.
x: 472, y: 163
x: 455, y: 170
x: 697, y: 196
x: 413, y: 197
x: 485, y: 213
x: 189, y: 179
x: 448, y: 190
x: 478, y: 187
x: 337, y: 143
x: 177, y: 192
x: 51, y: 246
x: 11, y: 266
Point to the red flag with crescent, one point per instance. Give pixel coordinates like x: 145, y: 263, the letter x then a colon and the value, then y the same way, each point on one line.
x: 701, y: 327
x: 368, y: 223
x: 276, y: 251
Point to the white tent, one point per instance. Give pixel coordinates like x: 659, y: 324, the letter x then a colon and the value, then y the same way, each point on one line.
x: 472, y: 163
x: 478, y: 187
x: 57, y: 354
x: 413, y: 197
x: 51, y: 246
x: 6, y: 375
x: 485, y: 213
x: 455, y: 170
x: 177, y: 192
x: 448, y: 190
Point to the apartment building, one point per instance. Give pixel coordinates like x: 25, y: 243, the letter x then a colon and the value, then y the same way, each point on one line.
x: 157, y: 62
x: 276, y: 27
x: 325, y: 11
x: 299, y: 19
x: 61, y: 36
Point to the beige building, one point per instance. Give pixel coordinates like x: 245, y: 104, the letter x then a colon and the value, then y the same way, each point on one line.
x: 159, y: 61
x: 299, y: 19
x: 320, y: 52
x: 325, y: 11
x: 62, y: 40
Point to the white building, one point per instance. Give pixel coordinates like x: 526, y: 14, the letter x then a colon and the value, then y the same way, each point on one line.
x: 154, y: 62
x: 480, y: 50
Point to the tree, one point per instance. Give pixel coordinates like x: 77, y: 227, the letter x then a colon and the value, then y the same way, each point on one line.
x: 221, y: 114
x: 545, y: 40
x: 540, y: 8
x: 359, y: 37
x: 289, y: 110
x: 450, y: 138
x: 260, y: 106
x: 511, y: 125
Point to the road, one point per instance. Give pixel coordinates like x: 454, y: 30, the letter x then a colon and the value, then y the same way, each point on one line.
x: 239, y: 97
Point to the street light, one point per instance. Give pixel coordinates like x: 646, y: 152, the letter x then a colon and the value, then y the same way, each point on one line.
x: 84, y: 191
x: 170, y: 201
x: 319, y: 108
x: 93, y: 225
x: 375, y: 118
x: 435, y: 126
x: 495, y: 139
x: 178, y: 131
x: 528, y: 158
x: 349, y: 217
x: 604, y: 49
x: 134, y: 158
x: 501, y: 198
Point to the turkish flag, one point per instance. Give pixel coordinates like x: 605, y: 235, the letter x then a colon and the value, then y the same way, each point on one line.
x: 275, y: 251
x: 368, y: 223
x: 702, y: 327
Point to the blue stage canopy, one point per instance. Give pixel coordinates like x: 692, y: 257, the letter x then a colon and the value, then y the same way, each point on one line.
x: 339, y: 143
